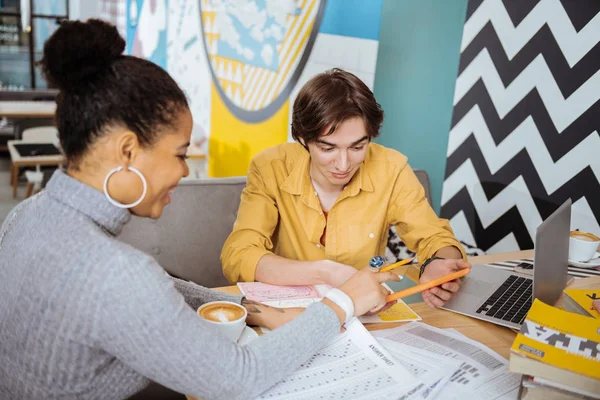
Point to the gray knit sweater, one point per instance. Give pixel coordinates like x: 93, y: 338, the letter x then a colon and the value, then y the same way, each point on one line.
x: 84, y: 316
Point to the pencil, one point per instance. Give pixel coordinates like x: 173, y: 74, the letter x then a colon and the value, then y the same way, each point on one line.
x: 397, y: 264
x: 428, y: 285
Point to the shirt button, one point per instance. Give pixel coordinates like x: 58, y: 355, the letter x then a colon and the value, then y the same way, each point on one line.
x: 319, y: 246
x: 371, y: 235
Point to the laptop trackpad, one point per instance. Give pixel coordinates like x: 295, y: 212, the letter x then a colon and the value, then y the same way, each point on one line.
x: 476, y: 287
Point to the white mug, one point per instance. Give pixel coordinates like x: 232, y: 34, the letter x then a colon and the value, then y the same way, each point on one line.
x: 229, y: 318
x: 582, y: 246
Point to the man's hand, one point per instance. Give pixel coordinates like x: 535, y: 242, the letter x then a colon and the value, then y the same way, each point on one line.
x: 440, y: 295
x: 596, y: 305
x: 335, y: 273
x: 269, y: 317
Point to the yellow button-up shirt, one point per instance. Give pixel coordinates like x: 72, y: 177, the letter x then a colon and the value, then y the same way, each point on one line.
x: 280, y: 213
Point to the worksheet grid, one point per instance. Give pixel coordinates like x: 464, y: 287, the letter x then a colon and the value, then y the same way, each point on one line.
x: 465, y: 348
x: 333, y: 373
x: 337, y: 351
x: 362, y: 386
x: 465, y: 374
x: 414, y: 368
x: 417, y: 342
x: 502, y: 383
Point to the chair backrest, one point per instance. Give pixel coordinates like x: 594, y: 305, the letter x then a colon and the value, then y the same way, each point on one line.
x: 22, y: 124
x: 188, y: 238
x: 41, y: 134
x: 423, y: 177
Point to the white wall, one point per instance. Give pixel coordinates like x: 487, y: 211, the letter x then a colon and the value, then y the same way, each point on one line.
x: 83, y: 9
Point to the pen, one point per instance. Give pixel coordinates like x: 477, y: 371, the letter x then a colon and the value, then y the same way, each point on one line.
x: 397, y: 264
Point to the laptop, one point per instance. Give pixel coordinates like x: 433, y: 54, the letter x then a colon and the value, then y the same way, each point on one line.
x: 504, y: 297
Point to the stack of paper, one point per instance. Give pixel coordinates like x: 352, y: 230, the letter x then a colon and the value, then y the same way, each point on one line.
x: 482, y: 374
x: 355, y: 366
x: 303, y: 296
x: 415, y: 361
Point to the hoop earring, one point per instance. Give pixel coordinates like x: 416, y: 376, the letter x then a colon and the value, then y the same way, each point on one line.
x: 116, y: 203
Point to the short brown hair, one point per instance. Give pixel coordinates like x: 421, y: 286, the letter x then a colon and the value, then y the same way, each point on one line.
x: 330, y: 98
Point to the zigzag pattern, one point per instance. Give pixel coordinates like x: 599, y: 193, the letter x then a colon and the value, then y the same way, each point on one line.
x: 509, y: 223
x: 567, y: 78
x: 524, y: 134
x: 525, y: 137
x: 525, y: 190
x: 574, y: 45
x: 563, y: 111
x: 530, y: 106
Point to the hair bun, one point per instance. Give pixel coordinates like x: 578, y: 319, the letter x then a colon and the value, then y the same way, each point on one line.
x: 79, y: 50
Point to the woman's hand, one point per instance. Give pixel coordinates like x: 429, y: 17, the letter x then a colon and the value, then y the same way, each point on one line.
x: 365, y: 290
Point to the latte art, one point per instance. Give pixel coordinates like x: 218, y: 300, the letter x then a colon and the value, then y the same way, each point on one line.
x: 222, y: 312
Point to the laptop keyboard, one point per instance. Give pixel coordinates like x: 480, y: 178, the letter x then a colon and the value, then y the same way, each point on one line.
x: 511, y: 301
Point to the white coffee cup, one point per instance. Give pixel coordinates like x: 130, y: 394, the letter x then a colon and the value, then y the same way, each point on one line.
x: 229, y: 318
x: 582, y: 246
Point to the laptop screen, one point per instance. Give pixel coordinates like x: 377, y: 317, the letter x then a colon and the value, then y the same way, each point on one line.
x: 551, y: 254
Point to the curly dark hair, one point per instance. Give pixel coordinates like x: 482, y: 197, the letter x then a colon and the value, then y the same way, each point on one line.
x: 330, y: 98
x: 100, y: 87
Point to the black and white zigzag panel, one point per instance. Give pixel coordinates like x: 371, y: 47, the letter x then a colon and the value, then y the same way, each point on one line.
x: 526, y: 121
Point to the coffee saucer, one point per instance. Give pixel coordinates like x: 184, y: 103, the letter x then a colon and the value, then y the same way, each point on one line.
x: 248, y: 335
x: 593, y: 263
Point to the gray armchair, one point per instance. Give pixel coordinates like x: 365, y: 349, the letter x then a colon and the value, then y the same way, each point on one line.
x: 188, y: 238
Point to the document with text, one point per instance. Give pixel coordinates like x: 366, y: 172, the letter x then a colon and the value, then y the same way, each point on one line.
x: 483, y: 374
x: 303, y: 296
x: 353, y: 366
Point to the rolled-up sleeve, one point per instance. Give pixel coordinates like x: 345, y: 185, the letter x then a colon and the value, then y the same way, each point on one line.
x: 416, y: 222
x: 251, y: 238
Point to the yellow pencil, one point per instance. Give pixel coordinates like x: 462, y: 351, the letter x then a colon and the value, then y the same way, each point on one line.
x: 398, y: 264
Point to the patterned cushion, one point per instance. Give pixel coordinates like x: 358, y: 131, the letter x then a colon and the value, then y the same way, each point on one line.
x: 396, y: 250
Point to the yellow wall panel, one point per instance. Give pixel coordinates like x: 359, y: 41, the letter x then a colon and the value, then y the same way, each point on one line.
x: 233, y: 143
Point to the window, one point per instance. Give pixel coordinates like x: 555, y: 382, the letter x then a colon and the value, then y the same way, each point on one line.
x: 21, y: 48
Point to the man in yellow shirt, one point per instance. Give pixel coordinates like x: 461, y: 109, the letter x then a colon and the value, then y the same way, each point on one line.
x: 316, y: 211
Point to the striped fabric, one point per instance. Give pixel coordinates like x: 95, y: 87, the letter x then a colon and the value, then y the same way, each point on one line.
x: 573, y: 271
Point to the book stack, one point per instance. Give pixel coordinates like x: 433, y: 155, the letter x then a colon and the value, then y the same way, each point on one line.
x: 579, y: 301
x: 558, y: 353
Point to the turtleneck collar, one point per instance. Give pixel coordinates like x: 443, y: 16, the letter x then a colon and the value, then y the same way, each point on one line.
x: 88, y: 201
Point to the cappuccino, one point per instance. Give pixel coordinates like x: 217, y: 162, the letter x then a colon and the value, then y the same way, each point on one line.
x: 588, y: 237
x: 583, y: 246
x: 222, y: 312
x: 229, y: 318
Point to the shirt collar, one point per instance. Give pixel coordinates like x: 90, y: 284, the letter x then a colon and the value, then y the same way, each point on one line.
x: 88, y: 201
x: 298, y: 181
x: 299, y: 178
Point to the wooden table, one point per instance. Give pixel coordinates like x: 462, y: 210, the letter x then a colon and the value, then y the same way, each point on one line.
x: 27, y: 109
x: 493, y: 336
x: 496, y: 337
x: 17, y: 162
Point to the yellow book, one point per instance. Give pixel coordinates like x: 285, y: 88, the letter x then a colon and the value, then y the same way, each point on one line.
x: 583, y: 301
x: 560, y: 339
x: 399, y: 312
